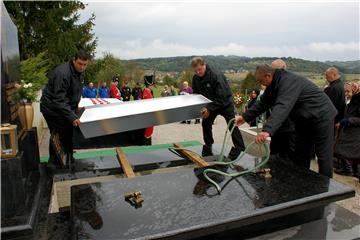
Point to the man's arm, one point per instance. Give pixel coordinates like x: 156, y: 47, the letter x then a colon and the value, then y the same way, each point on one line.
x: 194, y: 86
x: 260, y: 106
x: 221, y: 92
x: 60, y: 101
x: 339, y: 102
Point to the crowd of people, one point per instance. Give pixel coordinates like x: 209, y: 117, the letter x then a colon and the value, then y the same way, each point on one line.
x: 301, y: 118
x: 124, y: 93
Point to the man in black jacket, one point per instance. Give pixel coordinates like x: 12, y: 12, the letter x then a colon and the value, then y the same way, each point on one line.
x: 282, y: 142
x: 294, y: 96
x: 59, y: 105
x: 137, y: 91
x: 126, y: 92
x: 336, y: 91
x: 214, y: 86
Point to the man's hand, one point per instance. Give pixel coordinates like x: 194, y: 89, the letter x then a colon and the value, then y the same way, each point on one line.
x: 239, y: 120
x: 79, y: 109
x: 76, y: 122
x: 205, y: 113
x: 261, y: 137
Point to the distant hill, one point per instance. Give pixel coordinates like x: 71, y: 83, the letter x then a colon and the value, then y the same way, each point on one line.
x: 238, y: 63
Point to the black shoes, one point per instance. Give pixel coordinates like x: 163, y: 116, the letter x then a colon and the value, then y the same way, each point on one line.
x: 345, y: 168
x: 206, y: 151
x: 234, y: 153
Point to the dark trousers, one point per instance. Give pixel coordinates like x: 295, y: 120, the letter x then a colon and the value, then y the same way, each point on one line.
x: 282, y: 144
x: 65, y: 130
x: 321, y: 135
x: 228, y: 113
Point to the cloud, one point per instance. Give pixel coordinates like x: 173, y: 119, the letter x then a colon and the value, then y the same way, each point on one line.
x: 158, y: 48
x: 336, y: 47
x: 316, y: 31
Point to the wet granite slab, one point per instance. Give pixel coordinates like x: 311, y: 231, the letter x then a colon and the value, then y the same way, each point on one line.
x: 109, y: 165
x: 180, y: 205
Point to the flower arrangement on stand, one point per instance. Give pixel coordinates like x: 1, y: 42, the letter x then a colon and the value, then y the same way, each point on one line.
x: 33, y: 72
x: 240, y: 102
x: 25, y: 95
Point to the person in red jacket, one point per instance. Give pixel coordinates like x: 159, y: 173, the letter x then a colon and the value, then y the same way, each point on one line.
x: 148, y: 94
x: 114, y: 90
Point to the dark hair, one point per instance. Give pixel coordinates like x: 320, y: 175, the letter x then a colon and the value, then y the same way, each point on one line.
x: 264, y: 69
x: 149, y: 80
x: 115, y: 79
x: 257, y: 91
x: 196, y: 61
x: 81, y: 54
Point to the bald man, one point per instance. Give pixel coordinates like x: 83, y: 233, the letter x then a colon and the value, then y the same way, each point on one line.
x: 278, y: 64
x: 335, y: 91
x: 295, y: 97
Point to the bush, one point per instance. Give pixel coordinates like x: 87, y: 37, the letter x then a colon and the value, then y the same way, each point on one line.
x: 33, y: 77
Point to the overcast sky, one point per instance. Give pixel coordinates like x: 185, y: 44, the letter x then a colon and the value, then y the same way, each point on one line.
x: 308, y: 30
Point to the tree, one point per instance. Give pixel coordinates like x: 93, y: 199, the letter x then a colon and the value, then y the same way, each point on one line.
x: 107, y: 67
x: 134, y: 72
x: 167, y: 80
x: 249, y: 82
x: 52, y: 27
x: 34, y: 70
x: 186, y: 75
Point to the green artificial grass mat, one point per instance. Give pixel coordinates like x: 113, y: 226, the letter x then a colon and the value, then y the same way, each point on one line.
x: 127, y: 150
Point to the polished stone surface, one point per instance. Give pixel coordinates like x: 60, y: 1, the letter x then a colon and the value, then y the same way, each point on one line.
x: 338, y: 223
x: 181, y: 205
x: 21, y: 188
x: 109, y: 165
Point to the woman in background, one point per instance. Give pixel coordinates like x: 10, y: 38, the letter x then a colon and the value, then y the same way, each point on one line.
x: 347, y: 146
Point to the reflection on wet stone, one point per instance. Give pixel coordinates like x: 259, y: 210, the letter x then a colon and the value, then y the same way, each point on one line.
x: 181, y: 201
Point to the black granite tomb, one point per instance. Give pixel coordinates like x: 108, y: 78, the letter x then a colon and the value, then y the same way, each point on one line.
x: 181, y: 205
x: 21, y: 189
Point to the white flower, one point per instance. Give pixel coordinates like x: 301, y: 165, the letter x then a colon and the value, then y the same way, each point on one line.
x: 22, y: 81
x: 30, y: 84
x: 25, y: 85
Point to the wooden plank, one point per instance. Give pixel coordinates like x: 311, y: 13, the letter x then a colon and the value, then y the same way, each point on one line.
x: 124, y: 162
x: 191, y: 156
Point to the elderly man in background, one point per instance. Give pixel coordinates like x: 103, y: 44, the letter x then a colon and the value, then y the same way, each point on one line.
x: 185, y: 89
x: 213, y: 85
x: 335, y: 91
x: 293, y: 96
x: 278, y: 64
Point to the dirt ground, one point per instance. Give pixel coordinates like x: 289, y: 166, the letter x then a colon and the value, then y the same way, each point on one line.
x: 177, y: 132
